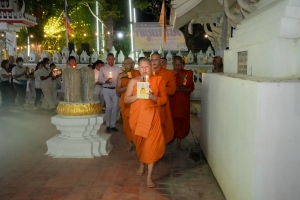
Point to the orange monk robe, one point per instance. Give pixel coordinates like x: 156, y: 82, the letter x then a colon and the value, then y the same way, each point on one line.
x: 125, y: 108
x: 165, y: 112
x: 180, y: 105
x: 145, y: 123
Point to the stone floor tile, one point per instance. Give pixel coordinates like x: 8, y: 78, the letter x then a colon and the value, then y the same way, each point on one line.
x: 111, y: 196
x: 163, y: 197
x: 147, y: 197
x: 27, y: 171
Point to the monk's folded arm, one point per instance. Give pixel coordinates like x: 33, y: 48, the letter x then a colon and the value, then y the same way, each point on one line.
x: 119, y: 88
x: 191, y: 82
x: 171, y: 86
x: 129, y: 97
x: 162, y: 96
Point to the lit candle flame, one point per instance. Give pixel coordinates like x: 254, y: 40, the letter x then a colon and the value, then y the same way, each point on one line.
x: 110, y: 75
x: 147, y: 78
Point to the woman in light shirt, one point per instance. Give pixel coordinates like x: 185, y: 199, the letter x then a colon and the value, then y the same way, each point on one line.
x: 4, y: 83
x: 46, y: 86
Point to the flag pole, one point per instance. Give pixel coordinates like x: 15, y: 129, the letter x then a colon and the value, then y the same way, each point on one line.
x: 162, y: 27
x: 162, y: 22
x: 66, y: 24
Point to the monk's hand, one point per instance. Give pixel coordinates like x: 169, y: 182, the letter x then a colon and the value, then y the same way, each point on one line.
x: 153, y: 97
x: 179, y: 88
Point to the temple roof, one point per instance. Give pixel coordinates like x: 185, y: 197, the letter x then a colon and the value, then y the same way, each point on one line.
x: 183, y: 11
x: 12, y: 14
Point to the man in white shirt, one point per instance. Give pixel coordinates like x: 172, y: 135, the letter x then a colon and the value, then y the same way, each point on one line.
x: 20, y: 75
x: 108, y: 77
x: 98, y: 96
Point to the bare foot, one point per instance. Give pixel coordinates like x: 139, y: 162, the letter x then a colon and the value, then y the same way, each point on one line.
x: 141, y: 170
x: 150, y: 183
x: 130, y: 146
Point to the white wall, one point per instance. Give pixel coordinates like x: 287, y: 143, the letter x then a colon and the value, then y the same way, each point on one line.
x: 272, y: 42
x: 228, y: 124
x: 278, y: 141
x: 250, y: 135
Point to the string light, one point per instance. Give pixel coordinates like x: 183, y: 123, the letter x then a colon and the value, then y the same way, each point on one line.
x: 54, y: 26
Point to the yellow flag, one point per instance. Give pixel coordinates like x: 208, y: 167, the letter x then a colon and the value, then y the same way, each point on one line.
x: 163, y: 21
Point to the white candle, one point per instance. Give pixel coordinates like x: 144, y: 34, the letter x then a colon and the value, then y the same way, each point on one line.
x: 147, y: 78
x: 110, y: 75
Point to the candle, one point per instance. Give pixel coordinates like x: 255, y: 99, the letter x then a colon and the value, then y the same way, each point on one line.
x: 147, y: 78
x: 110, y: 75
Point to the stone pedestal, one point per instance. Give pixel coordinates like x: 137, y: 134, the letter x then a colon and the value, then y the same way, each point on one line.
x: 78, y: 138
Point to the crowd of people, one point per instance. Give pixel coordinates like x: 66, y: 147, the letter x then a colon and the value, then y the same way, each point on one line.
x: 149, y: 124
x: 17, y: 81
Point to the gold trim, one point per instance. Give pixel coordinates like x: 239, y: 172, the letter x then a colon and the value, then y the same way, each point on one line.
x: 76, y: 109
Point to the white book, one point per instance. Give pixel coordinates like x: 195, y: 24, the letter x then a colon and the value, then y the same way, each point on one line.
x: 143, y: 90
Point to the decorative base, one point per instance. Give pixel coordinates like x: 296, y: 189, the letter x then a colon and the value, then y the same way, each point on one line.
x: 79, y: 138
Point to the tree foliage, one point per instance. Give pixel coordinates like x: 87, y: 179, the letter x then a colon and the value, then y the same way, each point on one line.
x: 82, y: 22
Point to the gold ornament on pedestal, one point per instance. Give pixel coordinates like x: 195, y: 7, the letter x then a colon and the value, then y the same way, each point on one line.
x: 79, y: 90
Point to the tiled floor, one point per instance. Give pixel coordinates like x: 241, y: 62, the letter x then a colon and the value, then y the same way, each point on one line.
x: 26, y: 173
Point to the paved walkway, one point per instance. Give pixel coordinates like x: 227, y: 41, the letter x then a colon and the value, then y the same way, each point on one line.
x: 26, y: 173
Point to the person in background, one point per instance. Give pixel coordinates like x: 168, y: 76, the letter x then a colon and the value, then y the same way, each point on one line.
x: 46, y: 86
x: 56, y: 80
x: 122, y: 82
x: 98, y: 96
x: 38, y: 89
x: 164, y: 62
x: 31, y: 88
x: 20, y: 75
x: 12, y: 91
x: 108, y: 77
x: 180, y: 101
x: 170, y: 86
x: 5, y: 77
x: 218, y: 64
x: 90, y: 66
x: 72, y: 62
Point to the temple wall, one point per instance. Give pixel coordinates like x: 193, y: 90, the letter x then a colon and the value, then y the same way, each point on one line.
x: 250, y: 136
x: 271, y: 42
x: 228, y: 124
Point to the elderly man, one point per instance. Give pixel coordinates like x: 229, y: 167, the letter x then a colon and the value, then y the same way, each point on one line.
x: 121, y: 88
x: 145, y: 119
x: 180, y: 101
x: 218, y: 64
x: 98, y: 96
x: 108, y: 77
x: 170, y: 85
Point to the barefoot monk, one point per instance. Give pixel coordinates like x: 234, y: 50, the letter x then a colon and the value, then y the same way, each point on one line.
x: 180, y: 101
x: 145, y: 120
x: 122, y: 82
x: 170, y: 84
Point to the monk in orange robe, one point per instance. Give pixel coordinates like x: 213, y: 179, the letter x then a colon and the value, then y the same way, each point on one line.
x: 170, y: 84
x: 145, y: 121
x: 121, y: 87
x: 180, y: 101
